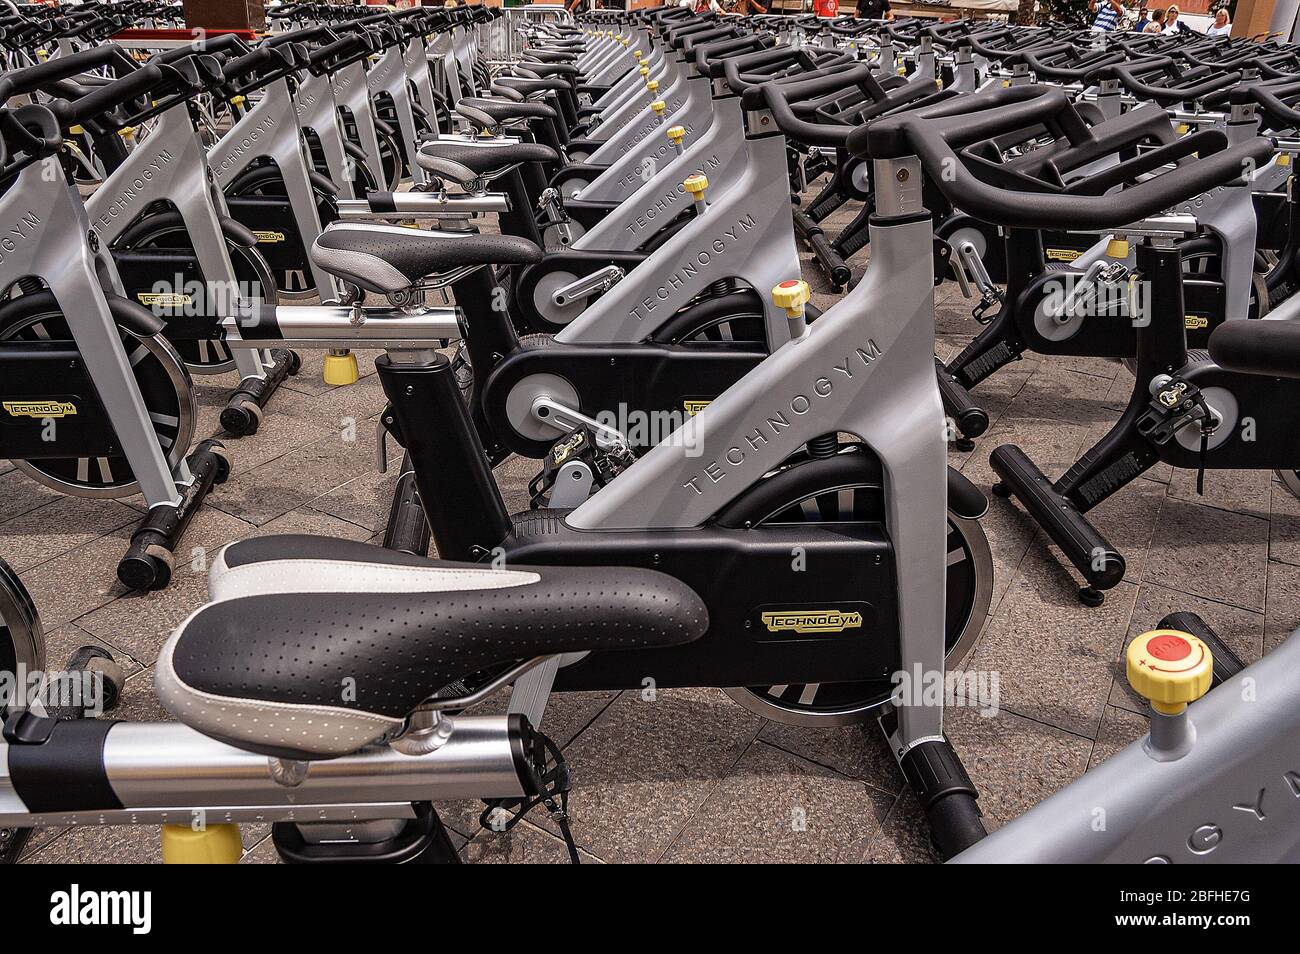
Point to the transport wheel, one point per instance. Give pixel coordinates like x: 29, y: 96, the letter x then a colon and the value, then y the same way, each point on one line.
x: 970, y: 588
x: 112, y: 677
x: 22, y: 644
x: 211, y: 355
x: 164, y: 384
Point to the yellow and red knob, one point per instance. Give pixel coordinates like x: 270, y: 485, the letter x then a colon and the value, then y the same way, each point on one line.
x: 696, y: 185
x: 1169, y: 668
x: 792, y: 295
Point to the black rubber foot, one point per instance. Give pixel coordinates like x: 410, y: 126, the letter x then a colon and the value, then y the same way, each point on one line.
x: 242, y: 415
x: 147, y: 564
x: 143, y: 572
x: 1091, y: 596
x: 1001, y: 490
x: 964, y: 444
x: 241, y: 418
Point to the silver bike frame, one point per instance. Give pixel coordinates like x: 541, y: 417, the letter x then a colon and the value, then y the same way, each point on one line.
x: 45, y: 226
x: 171, y: 166
x: 748, y: 233
x: 866, y: 366
x: 718, y: 152
x: 270, y: 130
x: 387, y: 75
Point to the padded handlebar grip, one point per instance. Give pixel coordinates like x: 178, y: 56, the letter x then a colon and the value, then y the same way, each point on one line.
x: 32, y: 78
x: 1258, y: 347
x: 116, y: 93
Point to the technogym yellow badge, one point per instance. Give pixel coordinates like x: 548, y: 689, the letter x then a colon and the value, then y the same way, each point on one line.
x: 265, y: 237
x: 39, y: 409
x: 812, y: 621
x: 164, y: 299
x: 694, y: 407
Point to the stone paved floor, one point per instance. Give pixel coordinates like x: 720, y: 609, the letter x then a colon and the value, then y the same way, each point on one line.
x: 691, y: 776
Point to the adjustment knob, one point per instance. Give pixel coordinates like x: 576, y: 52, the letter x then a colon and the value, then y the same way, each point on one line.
x: 792, y: 295
x: 653, y: 86
x: 644, y: 71
x: 675, y: 133
x: 659, y: 106
x: 696, y: 185
x: 1169, y: 668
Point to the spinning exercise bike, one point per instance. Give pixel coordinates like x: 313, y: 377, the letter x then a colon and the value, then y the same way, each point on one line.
x: 95, y: 401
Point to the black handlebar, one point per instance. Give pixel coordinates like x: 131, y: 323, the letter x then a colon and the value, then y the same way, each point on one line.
x: 935, y: 133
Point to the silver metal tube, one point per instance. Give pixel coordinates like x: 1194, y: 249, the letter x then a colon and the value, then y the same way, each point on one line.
x: 165, y: 772
x: 334, y: 326
x: 431, y: 204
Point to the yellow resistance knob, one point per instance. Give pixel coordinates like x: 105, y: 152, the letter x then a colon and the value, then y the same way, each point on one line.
x: 659, y: 106
x: 1117, y: 248
x: 644, y: 71
x: 696, y: 186
x: 791, y: 296
x: 341, y: 369
x: 214, y: 845
x: 675, y: 133
x: 653, y: 86
x: 1170, y: 668
x: 637, y: 54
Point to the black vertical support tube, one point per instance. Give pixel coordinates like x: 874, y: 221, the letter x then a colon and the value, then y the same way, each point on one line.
x: 466, y: 514
x: 520, y: 220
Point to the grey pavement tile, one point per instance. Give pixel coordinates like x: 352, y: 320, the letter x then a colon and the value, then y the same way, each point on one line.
x: 777, y: 807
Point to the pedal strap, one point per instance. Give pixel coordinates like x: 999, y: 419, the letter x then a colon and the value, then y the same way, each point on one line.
x: 552, y: 786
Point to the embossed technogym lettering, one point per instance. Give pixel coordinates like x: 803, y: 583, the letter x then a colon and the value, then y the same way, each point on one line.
x: 769, y: 437
x: 690, y: 268
x: 245, y: 144
x: 16, y: 234
x: 666, y: 199
x: 122, y: 200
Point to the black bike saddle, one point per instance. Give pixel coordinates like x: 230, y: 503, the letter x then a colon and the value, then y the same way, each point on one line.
x: 389, y: 258
x: 298, y: 618
x: 504, y: 110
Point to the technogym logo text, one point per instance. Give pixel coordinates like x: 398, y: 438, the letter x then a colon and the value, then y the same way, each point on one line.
x: 812, y: 621
x: 39, y: 409
x: 75, y: 907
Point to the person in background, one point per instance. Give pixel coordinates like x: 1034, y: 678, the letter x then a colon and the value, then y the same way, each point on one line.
x: 874, y: 10
x: 1144, y: 17
x: 1157, y: 22
x: 743, y: 7
x: 1109, y: 13
x: 1221, y: 25
x: 1173, y: 24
